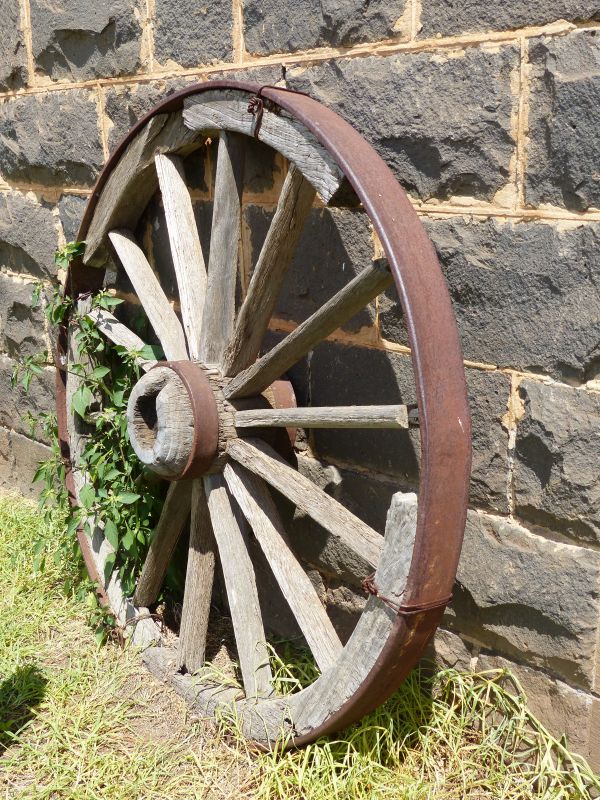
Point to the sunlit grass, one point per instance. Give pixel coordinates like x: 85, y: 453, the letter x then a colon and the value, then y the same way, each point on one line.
x: 79, y: 722
x: 82, y: 722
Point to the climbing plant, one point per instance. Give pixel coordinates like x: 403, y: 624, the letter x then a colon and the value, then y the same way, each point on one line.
x: 116, y: 493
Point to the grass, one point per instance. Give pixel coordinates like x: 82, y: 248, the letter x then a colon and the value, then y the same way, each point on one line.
x: 82, y: 722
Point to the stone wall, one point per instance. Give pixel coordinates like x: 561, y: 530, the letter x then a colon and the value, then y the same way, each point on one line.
x: 488, y: 113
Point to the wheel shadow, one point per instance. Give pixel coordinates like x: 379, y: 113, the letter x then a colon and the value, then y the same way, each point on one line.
x: 20, y: 694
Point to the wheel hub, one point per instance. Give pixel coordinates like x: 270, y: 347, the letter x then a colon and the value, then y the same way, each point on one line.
x: 173, y: 420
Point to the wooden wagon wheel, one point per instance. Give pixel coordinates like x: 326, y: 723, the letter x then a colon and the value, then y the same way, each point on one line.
x: 186, y: 422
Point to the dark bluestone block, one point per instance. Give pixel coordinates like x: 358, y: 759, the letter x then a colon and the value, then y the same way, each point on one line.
x: 191, y: 33
x: 556, y: 473
x: 525, y: 294
x: 28, y: 236
x: 51, y: 139
x: 396, y: 103
x: 21, y: 326
x: 452, y: 17
x: 529, y: 597
x: 335, y: 245
x: 13, y: 57
x: 16, y: 404
x: 80, y: 40
x: 271, y: 27
x: 70, y: 210
x: 343, y: 375
x: 564, y: 118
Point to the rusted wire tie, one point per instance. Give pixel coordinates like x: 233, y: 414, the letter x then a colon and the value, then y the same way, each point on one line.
x: 257, y: 104
x: 402, y: 610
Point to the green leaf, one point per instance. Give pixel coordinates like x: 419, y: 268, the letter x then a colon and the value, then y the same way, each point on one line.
x: 81, y: 400
x: 107, y: 302
x: 152, y: 352
x: 87, y: 495
x: 112, y: 534
x: 128, y: 541
x: 127, y: 498
x: 99, y: 372
x: 109, y: 566
x: 112, y: 475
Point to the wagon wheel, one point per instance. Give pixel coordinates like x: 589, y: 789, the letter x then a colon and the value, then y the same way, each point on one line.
x: 200, y: 418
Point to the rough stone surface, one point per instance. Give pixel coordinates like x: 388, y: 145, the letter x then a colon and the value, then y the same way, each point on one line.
x: 488, y: 395
x: 343, y: 375
x: 13, y: 58
x: 335, y: 245
x: 28, y: 235
x: 82, y: 41
x: 451, y: 17
x: 557, y: 460
x: 517, y: 304
x: 124, y: 105
x: 70, y: 209
x: 21, y: 327
x: 19, y: 459
x: 564, y: 118
x: 564, y: 710
x: 345, y: 605
x: 395, y: 103
x: 528, y: 597
x: 269, y: 27
x: 16, y: 404
x: 190, y: 33
x: 50, y: 139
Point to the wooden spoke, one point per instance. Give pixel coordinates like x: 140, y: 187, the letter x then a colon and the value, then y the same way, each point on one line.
x: 373, y: 628
x: 228, y: 110
x: 166, y: 535
x: 219, y: 307
x: 324, y: 417
x: 133, y: 181
x: 341, y: 307
x: 160, y: 314
x: 240, y: 583
x: 198, y: 584
x: 185, y: 246
x: 262, y: 460
x: 120, y: 334
x: 293, y: 207
x: 259, y: 509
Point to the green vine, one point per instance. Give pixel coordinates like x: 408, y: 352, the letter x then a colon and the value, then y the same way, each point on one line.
x: 118, y: 494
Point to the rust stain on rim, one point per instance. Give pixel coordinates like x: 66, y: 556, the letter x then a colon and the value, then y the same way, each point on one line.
x: 445, y: 423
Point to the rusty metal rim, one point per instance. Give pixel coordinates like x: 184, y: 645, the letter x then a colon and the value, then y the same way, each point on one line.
x: 445, y: 425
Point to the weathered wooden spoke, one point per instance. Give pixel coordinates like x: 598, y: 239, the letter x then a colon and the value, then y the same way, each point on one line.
x: 240, y: 582
x: 154, y: 301
x: 120, y: 334
x: 339, y: 309
x: 259, y: 509
x: 254, y: 316
x: 198, y: 584
x: 325, y: 417
x: 262, y: 460
x: 219, y: 309
x: 207, y: 417
x: 185, y: 246
x: 174, y: 515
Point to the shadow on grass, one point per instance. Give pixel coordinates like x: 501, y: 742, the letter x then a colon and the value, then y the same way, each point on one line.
x: 20, y: 693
